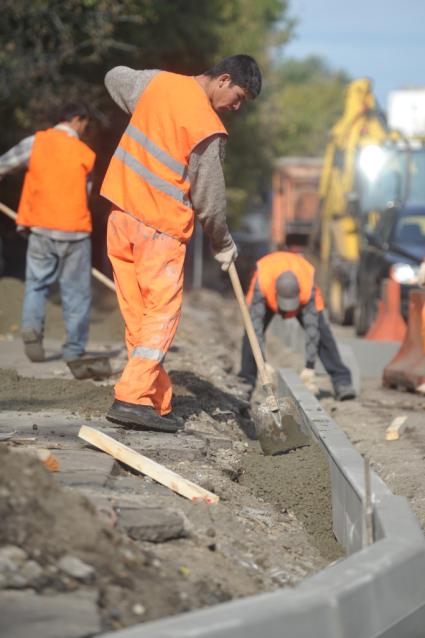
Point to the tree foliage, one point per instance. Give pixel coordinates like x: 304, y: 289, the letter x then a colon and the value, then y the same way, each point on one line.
x: 52, y: 51
x: 304, y: 101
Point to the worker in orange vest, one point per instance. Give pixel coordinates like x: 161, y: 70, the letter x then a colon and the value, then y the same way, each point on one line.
x: 283, y: 283
x: 53, y: 212
x: 166, y: 169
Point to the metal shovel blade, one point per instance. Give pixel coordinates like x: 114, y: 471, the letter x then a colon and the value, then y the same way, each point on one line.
x: 277, y: 437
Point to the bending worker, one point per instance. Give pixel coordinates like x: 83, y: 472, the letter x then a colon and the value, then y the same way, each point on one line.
x: 283, y: 284
x: 166, y: 168
x: 53, y: 211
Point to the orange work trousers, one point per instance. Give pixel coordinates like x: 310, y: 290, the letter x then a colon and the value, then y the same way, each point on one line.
x: 148, y: 274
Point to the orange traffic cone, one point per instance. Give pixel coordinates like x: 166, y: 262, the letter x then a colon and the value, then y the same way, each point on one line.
x: 389, y: 325
x: 407, y: 369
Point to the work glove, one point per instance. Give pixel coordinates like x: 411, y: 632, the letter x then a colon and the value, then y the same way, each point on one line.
x: 421, y: 275
x: 227, y: 256
x: 308, y: 377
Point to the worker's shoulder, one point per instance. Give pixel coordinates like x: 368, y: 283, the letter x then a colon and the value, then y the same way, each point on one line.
x: 125, y: 73
x: 87, y: 150
x: 82, y: 148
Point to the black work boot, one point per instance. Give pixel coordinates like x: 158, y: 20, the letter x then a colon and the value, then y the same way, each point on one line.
x: 344, y: 392
x: 33, y: 345
x: 142, y: 416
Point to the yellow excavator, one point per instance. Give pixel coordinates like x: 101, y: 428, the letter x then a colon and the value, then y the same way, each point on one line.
x: 363, y: 173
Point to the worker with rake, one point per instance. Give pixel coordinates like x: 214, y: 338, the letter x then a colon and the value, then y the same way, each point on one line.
x: 53, y: 212
x: 166, y: 168
x: 283, y: 284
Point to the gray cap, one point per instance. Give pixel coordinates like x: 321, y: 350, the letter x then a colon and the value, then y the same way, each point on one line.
x: 287, y: 292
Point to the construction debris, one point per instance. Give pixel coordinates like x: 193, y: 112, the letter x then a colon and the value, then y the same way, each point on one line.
x: 393, y: 431
x: 49, y: 461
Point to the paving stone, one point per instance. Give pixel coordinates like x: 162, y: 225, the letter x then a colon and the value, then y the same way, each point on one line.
x: 153, y: 524
x: 27, y: 615
x: 163, y: 447
x: 82, y: 467
x: 140, y: 484
x: 57, y: 425
x: 16, y: 571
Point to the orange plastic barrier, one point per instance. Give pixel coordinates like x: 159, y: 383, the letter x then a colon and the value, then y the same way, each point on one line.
x: 407, y: 369
x: 389, y: 325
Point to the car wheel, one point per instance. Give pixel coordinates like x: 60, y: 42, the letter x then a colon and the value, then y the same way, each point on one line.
x: 361, y: 318
x: 364, y: 314
x: 339, y: 311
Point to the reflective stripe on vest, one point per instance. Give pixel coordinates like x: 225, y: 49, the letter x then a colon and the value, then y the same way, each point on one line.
x: 156, y: 151
x: 152, y: 179
x: 148, y: 353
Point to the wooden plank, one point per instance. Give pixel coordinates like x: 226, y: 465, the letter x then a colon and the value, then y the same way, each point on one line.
x: 146, y: 466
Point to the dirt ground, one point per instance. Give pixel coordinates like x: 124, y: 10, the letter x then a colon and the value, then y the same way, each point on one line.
x: 271, y: 529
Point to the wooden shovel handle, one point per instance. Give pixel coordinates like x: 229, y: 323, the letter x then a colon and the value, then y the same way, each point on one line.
x: 94, y: 271
x: 255, y: 346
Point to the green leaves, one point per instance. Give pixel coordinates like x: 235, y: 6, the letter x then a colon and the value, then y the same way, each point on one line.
x: 52, y: 51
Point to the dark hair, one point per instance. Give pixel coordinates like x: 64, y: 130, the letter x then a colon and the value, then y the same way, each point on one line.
x: 73, y: 109
x: 243, y: 70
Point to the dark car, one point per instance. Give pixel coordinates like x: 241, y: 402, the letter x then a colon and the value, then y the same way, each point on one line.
x: 396, y: 246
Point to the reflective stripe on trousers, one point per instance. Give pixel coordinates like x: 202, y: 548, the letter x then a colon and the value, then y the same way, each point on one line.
x: 148, y: 274
x: 148, y: 353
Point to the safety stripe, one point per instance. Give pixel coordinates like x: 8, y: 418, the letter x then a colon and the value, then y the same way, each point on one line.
x: 155, y: 181
x: 156, y: 151
x: 148, y: 353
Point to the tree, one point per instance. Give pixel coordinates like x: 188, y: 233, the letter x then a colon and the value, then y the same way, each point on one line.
x: 53, y: 51
x: 304, y: 101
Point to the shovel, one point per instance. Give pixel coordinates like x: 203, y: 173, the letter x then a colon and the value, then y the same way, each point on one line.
x: 278, y: 421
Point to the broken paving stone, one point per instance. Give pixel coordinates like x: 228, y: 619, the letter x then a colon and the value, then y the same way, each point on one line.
x: 16, y: 572
x: 12, y: 554
x: 215, y: 442
x: 28, y: 576
x: 73, y: 566
x: 153, y: 524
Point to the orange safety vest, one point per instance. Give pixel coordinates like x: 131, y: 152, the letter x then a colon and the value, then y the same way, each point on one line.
x: 54, y: 194
x: 269, y: 269
x: 147, y: 175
